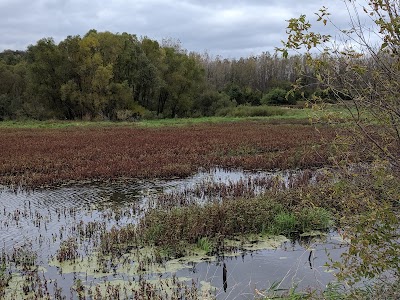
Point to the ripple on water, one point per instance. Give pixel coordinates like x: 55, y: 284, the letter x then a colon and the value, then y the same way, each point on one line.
x: 46, y: 217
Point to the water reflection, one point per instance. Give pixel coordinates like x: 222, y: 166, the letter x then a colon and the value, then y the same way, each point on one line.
x: 224, y: 279
x: 43, y: 219
x: 291, y: 265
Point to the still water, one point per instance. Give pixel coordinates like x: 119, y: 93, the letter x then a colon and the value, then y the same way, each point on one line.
x: 41, y: 220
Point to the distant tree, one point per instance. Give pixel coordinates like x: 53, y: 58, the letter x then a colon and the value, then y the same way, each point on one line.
x: 45, y: 77
x: 10, y: 57
x: 276, y: 96
x: 181, y: 80
x: 209, y: 102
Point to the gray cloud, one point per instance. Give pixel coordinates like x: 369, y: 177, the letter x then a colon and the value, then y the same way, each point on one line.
x: 227, y: 28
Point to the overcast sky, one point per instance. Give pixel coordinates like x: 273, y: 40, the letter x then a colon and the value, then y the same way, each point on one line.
x: 222, y: 27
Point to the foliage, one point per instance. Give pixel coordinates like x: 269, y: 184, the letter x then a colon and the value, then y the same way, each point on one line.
x: 305, y: 220
x: 175, y: 222
x: 278, y: 96
x: 96, y: 76
x: 299, y: 115
x: 243, y: 95
x: 311, y: 218
x: 364, y: 78
x: 209, y: 102
x: 5, y: 274
x: 359, y: 72
x: 189, y: 224
x: 284, y: 223
x: 276, y: 292
x: 101, y: 75
x: 205, y: 244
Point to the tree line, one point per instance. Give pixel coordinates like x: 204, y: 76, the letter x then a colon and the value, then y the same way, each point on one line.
x: 104, y: 75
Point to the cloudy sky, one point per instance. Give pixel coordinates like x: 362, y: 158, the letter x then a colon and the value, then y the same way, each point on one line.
x: 229, y: 28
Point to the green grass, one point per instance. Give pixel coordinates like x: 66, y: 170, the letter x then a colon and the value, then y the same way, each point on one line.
x: 205, y: 244
x: 284, y: 223
x: 267, y: 114
x: 253, y: 111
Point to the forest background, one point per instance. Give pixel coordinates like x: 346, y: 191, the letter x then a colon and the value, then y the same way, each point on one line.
x: 112, y: 76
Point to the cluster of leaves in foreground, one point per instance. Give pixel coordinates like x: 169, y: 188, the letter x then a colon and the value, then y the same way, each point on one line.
x: 374, y: 233
x: 368, y: 75
x: 39, y: 157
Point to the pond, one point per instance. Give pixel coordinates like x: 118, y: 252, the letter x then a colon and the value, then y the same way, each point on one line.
x: 39, y: 222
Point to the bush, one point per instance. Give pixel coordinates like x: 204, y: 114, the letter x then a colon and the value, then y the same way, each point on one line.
x: 209, y: 102
x: 278, y: 96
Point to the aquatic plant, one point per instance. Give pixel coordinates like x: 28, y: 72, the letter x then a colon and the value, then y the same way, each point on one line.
x: 68, y: 250
x: 314, y: 218
x: 24, y: 257
x: 205, y: 244
x: 37, y: 157
x: 5, y: 274
x: 284, y: 223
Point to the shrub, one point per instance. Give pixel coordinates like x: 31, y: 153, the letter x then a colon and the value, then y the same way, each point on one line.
x: 278, y: 96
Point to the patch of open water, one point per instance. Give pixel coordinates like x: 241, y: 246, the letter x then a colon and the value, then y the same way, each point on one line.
x: 41, y: 220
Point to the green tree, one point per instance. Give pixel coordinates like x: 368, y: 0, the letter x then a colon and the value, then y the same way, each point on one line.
x: 209, y: 102
x: 181, y: 79
x: 45, y: 78
x: 12, y: 89
x: 103, y: 74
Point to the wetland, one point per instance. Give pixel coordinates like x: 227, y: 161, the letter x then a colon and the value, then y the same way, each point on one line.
x: 62, y: 230
x: 205, y: 211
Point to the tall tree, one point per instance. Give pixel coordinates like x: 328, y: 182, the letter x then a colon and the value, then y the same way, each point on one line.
x: 45, y: 80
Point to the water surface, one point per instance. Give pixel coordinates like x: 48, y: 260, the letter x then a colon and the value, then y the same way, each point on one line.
x: 41, y: 220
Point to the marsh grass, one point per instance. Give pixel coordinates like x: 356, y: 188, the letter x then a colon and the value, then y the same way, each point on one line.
x: 5, y: 274
x: 284, y: 223
x: 68, y: 250
x: 289, y: 212
x: 275, y: 292
x: 254, y: 111
x: 205, y: 245
x: 311, y: 218
x: 208, y: 225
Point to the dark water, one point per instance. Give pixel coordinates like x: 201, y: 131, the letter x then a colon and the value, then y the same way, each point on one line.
x: 41, y: 220
x: 293, y: 265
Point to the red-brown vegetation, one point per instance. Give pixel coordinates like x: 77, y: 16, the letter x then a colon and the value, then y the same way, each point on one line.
x: 36, y: 157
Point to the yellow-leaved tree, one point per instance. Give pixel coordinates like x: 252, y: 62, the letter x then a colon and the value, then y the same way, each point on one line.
x: 360, y: 66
